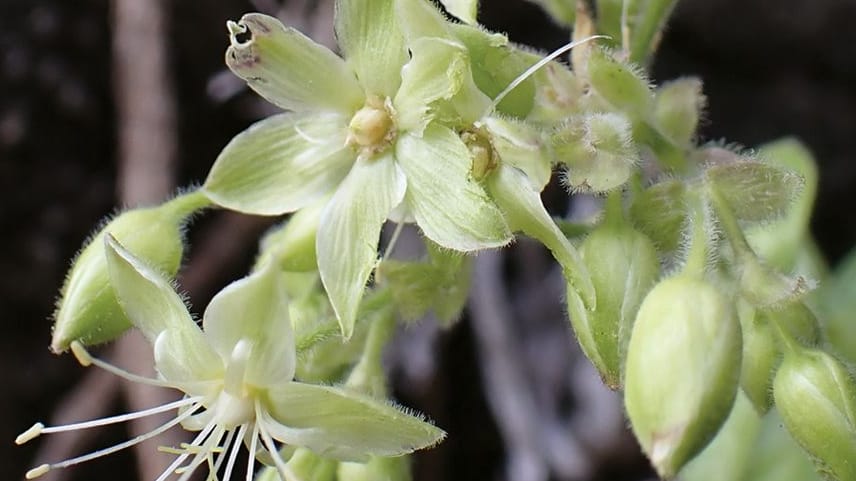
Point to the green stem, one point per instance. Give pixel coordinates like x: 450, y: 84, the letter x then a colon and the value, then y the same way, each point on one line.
x: 613, y: 209
x: 730, y: 226
x: 696, y: 261
x: 187, y: 203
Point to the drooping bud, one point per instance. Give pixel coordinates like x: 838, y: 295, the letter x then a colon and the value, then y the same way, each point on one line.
x: 623, y: 265
x: 598, y: 151
x: 306, y: 466
x: 619, y: 84
x: 682, y: 370
x: 88, y: 310
x: 292, y: 245
x: 816, y: 396
x: 677, y: 107
x: 378, y: 468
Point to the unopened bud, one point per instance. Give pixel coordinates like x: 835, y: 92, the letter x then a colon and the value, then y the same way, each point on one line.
x: 378, y: 468
x: 623, y: 265
x: 88, y: 310
x: 660, y: 211
x: 816, y: 396
x: 621, y: 85
x: 682, y: 370
x: 677, y: 108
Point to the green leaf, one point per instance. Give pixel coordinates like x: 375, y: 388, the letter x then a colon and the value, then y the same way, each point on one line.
x: 464, y: 10
x: 342, y: 424
x: 449, y: 206
x: 645, y: 22
x: 254, y: 309
x: 281, y: 164
x: 349, y: 231
x: 523, y: 209
x: 288, y: 69
x: 437, y: 82
x: 756, y: 191
x: 373, y: 43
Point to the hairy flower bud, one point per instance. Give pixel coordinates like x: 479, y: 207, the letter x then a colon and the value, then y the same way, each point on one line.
x: 619, y: 84
x: 816, y: 397
x: 677, y: 108
x: 682, y: 370
x: 88, y: 310
x: 623, y: 265
x: 387, y: 469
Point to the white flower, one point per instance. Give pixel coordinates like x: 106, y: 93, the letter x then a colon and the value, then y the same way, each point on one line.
x: 237, y: 376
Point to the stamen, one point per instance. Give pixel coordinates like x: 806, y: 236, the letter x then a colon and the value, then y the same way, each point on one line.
x: 86, y: 359
x: 284, y: 471
x: 254, y: 443
x: 224, y: 449
x: 233, y: 456
x: 203, y: 454
x: 531, y: 70
x: 39, y: 471
x: 118, y: 447
x: 197, y: 440
x: 38, y: 429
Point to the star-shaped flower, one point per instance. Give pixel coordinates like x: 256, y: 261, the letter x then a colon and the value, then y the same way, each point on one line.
x: 375, y: 133
x: 238, y: 379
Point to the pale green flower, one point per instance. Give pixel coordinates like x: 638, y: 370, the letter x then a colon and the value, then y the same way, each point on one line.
x: 237, y: 377
x: 373, y: 133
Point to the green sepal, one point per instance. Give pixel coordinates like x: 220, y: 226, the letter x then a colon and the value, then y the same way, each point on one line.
x: 281, y: 164
x: 496, y: 63
x: 682, y: 372
x: 451, y: 208
x: 378, y: 468
x: 88, y: 310
x: 660, y: 212
x: 645, y: 20
x: 349, y: 231
x: 523, y: 209
x: 678, y: 106
x: 342, y: 424
x: 464, y: 10
x: 620, y: 84
x: 816, y: 396
x: 288, y: 69
x: 521, y: 146
x: 558, y: 94
x: 182, y: 352
x: 623, y: 265
x: 755, y: 191
x: 306, y: 466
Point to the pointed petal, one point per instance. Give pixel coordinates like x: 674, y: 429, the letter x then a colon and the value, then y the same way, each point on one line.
x: 464, y: 10
x: 342, y: 424
x: 450, y: 207
x: 349, y: 231
x: 437, y: 82
x: 182, y: 353
x: 281, y: 164
x: 524, y: 210
x: 288, y: 69
x: 371, y: 39
x: 254, y: 308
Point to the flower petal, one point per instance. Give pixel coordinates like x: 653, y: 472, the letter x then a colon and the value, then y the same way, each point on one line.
x: 371, y: 40
x: 464, y: 10
x: 343, y: 424
x: 281, y: 164
x: 288, y: 69
x: 182, y: 353
x: 349, y: 231
x: 255, y: 309
x: 439, y: 72
x: 522, y: 205
x: 450, y: 207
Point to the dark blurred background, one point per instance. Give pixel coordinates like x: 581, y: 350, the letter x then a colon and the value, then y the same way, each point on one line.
x: 771, y: 68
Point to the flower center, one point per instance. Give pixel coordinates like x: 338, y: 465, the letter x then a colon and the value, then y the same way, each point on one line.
x: 485, y: 158
x: 234, y: 405
x: 372, y: 128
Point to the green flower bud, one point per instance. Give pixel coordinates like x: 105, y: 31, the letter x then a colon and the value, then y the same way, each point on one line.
x: 677, y: 107
x: 88, y: 310
x: 620, y: 84
x: 598, y: 151
x: 292, y: 245
x: 682, y: 370
x: 306, y: 466
x: 623, y: 265
x: 660, y: 212
x: 378, y: 468
x: 816, y: 397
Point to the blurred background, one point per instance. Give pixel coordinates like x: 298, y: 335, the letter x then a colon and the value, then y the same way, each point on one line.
x: 94, y: 93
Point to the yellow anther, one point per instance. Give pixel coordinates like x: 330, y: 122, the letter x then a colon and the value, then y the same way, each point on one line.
x: 30, y: 434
